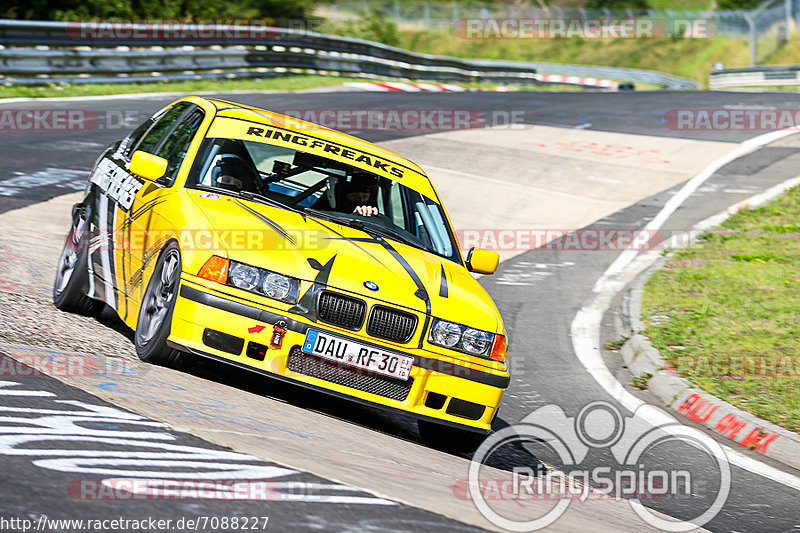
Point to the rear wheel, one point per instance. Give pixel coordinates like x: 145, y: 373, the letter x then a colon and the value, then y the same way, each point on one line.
x: 72, y: 274
x: 155, y: 315
x: 449, y: 438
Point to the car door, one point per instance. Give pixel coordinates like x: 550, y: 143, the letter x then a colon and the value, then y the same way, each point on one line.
x: 145, y: 230
x: 113, y: 200
x: 111, y: 191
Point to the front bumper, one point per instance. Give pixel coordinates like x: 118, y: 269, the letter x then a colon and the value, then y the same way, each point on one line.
x: 210, y: 323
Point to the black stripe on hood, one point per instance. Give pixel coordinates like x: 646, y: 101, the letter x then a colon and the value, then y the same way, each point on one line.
x: 277, y: 228
x: 306, y: 306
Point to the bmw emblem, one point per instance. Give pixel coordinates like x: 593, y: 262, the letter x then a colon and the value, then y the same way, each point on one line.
x: 371, y: 285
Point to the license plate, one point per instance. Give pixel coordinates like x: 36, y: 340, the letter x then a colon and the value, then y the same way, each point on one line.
x: 357, y: 355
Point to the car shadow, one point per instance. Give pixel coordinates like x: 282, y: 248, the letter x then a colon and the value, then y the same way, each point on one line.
x: 395, y: 424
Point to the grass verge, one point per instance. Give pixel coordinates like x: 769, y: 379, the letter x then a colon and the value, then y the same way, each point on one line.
x: 273, y: 83
x: 725, y: 312
x: 689, y: 58
x: 289, y: 82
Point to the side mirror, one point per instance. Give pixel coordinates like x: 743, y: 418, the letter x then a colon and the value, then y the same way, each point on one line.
x: 482, y: 261
x: 148, y: 166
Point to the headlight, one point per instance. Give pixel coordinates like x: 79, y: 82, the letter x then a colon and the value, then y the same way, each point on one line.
x: 462, y: 338
x: 243, y: 276
x: 276, y: 286
x: 445, y: 333
x: 476, y: 341
x: 263, y: 282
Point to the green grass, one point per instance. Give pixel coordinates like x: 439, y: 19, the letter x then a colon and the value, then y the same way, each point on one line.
x: 726, y: 311
x: 678, y: 5
x: 281, y: 83
x: 690, y: 58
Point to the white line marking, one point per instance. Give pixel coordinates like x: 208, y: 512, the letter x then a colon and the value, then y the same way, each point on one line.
x: 16, y: 392
x: 585, y: 329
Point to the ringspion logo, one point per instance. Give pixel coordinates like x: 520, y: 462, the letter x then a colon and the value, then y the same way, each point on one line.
x: 637, y: 473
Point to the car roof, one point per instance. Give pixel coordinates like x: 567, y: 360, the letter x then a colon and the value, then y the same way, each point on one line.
x: 239, y: 121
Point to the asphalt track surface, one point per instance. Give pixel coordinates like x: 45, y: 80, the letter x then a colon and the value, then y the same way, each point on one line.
x: 537, y: 311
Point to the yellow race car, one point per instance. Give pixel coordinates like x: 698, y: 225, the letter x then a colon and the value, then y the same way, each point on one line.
x: 223, y: 231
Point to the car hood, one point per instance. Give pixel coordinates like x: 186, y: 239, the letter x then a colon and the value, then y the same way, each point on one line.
x: 346, y: 259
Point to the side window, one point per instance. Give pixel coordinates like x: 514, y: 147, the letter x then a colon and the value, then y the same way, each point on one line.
x: 177, y: 142
x: 162, y: 126
x: 137, y: 134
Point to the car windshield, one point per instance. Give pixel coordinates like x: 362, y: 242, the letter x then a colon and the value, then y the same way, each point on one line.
x: 323, y: 188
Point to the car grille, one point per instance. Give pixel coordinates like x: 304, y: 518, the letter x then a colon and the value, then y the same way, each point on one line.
x: 341, y: 310
x: 355, y: 378
x: 391, y: 324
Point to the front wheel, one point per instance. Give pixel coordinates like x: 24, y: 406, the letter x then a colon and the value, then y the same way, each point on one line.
x: 155, y: 315
x: 72, y: 274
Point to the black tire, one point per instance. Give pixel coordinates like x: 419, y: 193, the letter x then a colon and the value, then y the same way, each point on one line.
x: 449, y: 438
x: 72, y: 274
x: 155, y: 315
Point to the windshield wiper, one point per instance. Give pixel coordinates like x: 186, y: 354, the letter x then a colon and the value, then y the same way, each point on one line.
x: 386, y: 232
x: 352, y: 222
x: 255, y: 197
x: 370, y: 229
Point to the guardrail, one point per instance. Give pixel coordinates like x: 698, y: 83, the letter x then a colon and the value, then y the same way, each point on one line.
x: 668, y: 81
x: 82, y: 53
x: 755, y: 77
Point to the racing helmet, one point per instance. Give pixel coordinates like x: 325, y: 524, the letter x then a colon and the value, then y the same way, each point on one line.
x: 232, y: 173
x: 359, y: 181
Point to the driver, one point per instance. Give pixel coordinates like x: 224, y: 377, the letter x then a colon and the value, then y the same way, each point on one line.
x: 358, y: 195
x: 232, y: 173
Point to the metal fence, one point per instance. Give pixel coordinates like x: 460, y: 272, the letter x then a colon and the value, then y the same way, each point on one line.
x: 755, y: 77
x: 766, y: 27
x: 41, y: 52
